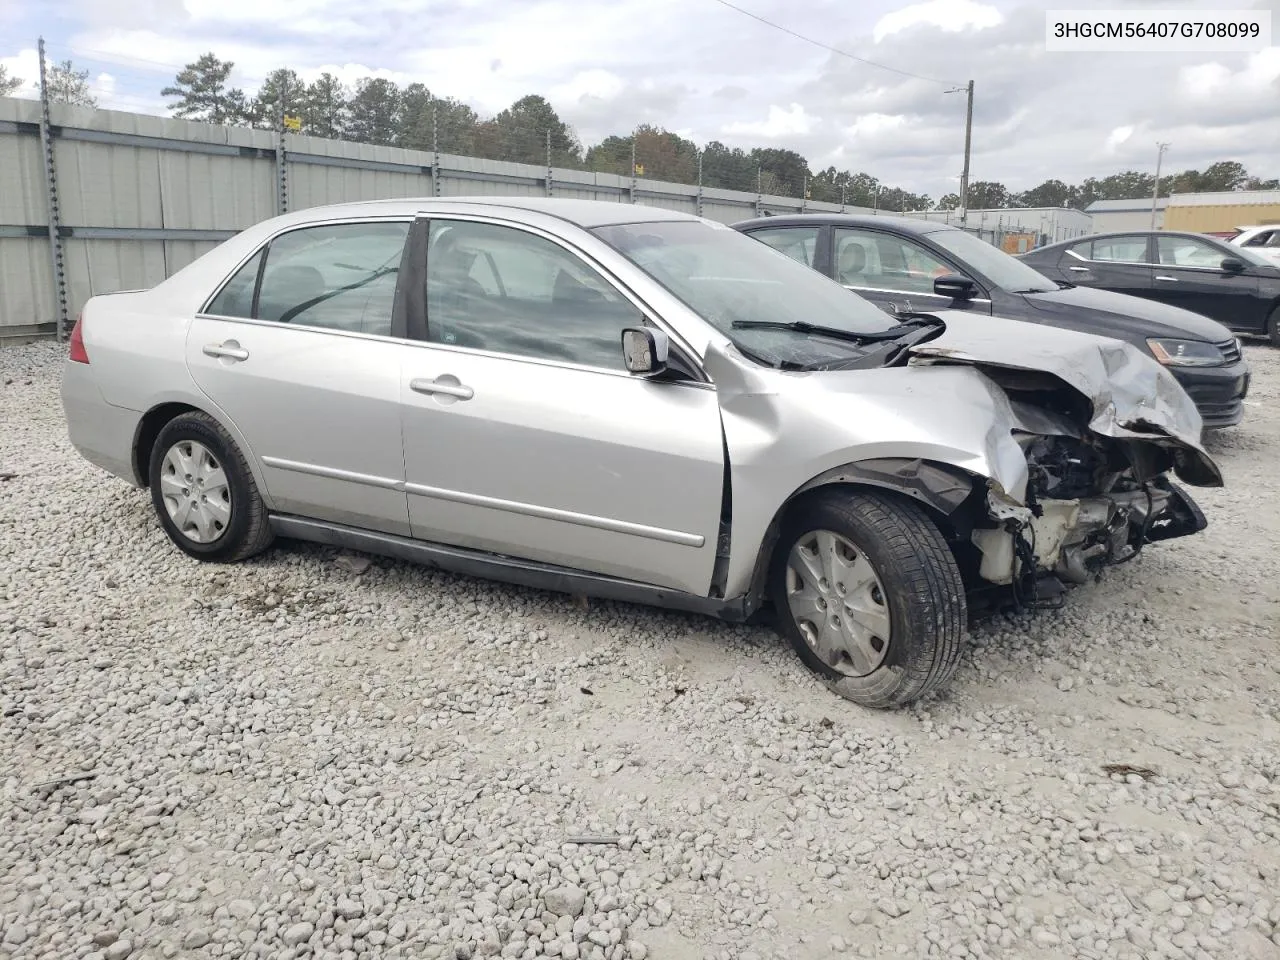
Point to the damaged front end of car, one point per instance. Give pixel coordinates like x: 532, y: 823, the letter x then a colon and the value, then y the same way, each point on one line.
x: 1102, y: 430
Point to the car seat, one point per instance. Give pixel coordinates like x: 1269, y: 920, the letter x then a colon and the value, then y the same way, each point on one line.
x: 853, y: 260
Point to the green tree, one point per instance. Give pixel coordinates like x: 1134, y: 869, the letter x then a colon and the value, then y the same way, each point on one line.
x: 988, y: 195
x: 949, y: 202
x: 8, y: 83
x: 1051, y: 193
x: 898, y: 200
x: 429, y: 120
x: 264, y: 111
x: 377, y: 110
x: 66, y: 84
x: 789, y: 170
x: 841, y: 186
x: 325, y: 107
x: 521, y: 132
x: 725, y: 168
x: 665, y: 155
x: 203, y: 94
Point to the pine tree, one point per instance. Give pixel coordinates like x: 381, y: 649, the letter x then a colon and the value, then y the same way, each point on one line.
x: 203, y: 93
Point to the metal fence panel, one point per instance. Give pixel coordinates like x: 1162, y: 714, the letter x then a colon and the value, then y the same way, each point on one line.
x: 26, y: 283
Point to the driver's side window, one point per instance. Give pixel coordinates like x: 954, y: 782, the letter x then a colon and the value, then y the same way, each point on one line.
x: 883, y: 261
x: 505, y: 290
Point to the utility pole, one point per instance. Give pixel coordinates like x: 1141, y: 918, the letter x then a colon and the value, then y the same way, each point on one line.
x: 968, y: 146
x: 1155, y: 193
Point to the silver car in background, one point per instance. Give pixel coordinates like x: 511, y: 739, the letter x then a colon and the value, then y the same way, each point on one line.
x: 630, y: 403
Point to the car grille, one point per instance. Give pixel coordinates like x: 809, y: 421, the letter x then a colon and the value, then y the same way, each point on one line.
x: 1230, y: 350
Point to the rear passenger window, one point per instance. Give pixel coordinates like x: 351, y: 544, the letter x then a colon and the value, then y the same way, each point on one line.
x: 1121, y: 249
x: 798, y: 243
x: 236, y: 298
x: 342, y: 277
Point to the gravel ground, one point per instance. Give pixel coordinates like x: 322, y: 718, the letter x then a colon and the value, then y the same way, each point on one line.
x: 312, y: 754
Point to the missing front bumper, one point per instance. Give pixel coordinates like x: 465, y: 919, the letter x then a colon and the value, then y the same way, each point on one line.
x: 1076, y: 539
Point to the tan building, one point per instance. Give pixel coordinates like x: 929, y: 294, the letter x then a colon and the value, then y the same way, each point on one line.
x: 1222, y: 212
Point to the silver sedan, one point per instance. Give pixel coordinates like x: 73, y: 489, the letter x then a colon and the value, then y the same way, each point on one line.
x: 625, y: 402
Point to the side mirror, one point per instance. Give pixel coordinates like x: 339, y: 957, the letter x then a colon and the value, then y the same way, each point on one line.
x: 1232, y: 265
x: 955, y: 287
x: 644, y: 350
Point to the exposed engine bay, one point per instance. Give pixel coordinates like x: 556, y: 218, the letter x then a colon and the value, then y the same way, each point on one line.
x: 1091, y: 501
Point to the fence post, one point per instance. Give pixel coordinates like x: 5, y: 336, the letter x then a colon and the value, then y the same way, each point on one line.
x: 51, y: 197
x: 759, y: 191
x: 435, y: 150
x: 700, y: 154
x: 282, y: 170
x: 633, y: 167
x: 550, y: 173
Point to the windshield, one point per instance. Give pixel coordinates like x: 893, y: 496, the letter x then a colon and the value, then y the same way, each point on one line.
x: 726, y: 278
x: 1006, y: 272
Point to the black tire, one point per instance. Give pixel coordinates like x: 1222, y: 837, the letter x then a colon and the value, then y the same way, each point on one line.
x: 1273, y: 327
x: 922, y: 590
x: 247, y: 531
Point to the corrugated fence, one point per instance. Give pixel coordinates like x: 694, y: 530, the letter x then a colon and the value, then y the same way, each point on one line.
x: 135, y: 197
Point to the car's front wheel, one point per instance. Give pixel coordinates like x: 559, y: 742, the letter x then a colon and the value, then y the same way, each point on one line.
x: 870, y: 595
x: 204, y: 492
x: 1273, y: 327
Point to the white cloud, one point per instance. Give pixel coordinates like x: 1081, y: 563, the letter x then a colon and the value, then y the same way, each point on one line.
x: 25, y: 65
x: 1207, y: 82
x: 951, y: 16
x: 794, y: 121
x: 1117, y: 137
x: 598, y: 84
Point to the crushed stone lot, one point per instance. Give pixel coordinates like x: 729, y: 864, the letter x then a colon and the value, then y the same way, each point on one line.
x: 319, y: 754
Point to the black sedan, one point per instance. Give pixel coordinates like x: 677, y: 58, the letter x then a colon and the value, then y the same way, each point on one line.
x: 1231, y: 284
x: 908, y: 265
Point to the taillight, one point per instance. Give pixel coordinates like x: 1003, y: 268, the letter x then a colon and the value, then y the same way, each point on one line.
x: 78, y: 353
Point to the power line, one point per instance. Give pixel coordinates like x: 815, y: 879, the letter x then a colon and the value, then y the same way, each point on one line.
x: 842, y: 53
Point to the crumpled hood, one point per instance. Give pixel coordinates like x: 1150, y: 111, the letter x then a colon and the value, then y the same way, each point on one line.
x: 1132, y: 396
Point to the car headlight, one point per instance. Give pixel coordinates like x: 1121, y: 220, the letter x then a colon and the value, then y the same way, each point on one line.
x: 1185, y: 353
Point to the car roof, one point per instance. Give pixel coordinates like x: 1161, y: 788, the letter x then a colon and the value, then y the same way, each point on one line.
x: 901, y: 224
x: 584, y: 213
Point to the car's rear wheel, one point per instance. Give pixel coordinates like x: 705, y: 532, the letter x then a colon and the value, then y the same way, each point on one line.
x: 870, y: 595
x: 204, y: 492
x: 1273, y: 327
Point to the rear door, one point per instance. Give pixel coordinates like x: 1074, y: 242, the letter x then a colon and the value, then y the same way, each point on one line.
x: 524, y: 434
x: 896, y: 272
x: 1189, y: 274
x: 302, y: 351
x: 1120, y: 263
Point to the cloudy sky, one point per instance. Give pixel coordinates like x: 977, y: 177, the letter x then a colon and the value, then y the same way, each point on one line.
x: 709, y: 72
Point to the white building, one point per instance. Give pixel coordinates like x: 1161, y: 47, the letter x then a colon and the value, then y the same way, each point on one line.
x: 1048, y: 224
x: 1113, y: 216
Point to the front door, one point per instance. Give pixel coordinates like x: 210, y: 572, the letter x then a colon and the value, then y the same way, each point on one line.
x: 304, y: 366
x: 523, y: 433
x: 1189, y: 274
x: 895, y: 272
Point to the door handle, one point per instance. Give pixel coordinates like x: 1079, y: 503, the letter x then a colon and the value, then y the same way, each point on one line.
x: 1168, y: 279
x: 442, y: 386
x: 230, y: 349
x: 1078, y: 269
